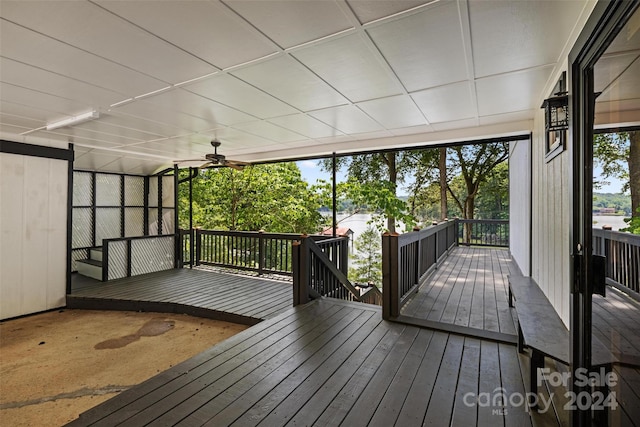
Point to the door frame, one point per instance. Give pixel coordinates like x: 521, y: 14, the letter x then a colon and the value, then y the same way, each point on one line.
x: 604, y: 24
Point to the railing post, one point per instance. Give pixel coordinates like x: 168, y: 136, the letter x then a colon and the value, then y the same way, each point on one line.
x: 129, y: 258
x: 192, y: 246
x: 300, y: 259
x: 390, y: 292
x: 105, y: 260
x: 198, y: 245
x: 344, y: 256
x: 261, y: 252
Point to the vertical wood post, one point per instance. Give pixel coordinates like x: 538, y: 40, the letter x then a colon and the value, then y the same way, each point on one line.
x: 300, y: 267
x: 198, y: 244
x: 105, y: 260
x: 344, y: 256
x: 261, y: 252
x: 390, y: 292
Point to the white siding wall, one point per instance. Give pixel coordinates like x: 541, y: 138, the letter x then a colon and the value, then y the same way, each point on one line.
x: 520, y: 204
x: 550, y: 231
x: 33, y: 230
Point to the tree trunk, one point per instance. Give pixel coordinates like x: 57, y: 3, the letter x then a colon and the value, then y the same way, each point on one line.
x: 469, y: 207
x: 393, y: 178
x: 442, y: 166
x: 634, y: 171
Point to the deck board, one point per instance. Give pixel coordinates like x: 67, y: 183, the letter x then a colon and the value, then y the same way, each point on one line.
x: 323, y: 363
x: 468, y: 289
x: 223, y: 296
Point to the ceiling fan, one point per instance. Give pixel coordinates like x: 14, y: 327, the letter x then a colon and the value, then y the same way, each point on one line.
x: 214, y: 159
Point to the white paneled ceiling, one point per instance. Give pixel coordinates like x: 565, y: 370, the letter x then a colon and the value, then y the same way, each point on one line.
x: 277, y: 79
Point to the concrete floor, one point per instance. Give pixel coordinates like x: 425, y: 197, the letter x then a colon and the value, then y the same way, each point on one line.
x: 55, y: 365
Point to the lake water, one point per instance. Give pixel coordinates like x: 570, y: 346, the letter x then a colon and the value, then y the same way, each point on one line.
x: 359, y: 222
x: 616, y: 222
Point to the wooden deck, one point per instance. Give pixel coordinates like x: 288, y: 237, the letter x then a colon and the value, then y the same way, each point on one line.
x: 230, y: 297
x: 616, y: 323
x: 327, y: 363
x: 469, y: 290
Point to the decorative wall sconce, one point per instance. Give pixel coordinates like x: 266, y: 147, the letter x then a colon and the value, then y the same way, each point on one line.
x: 556, y: 112
x: 556, y: 119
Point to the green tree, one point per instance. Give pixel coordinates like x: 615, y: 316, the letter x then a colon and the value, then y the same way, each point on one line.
x: 474, y: 163
x: 493, y: 196
x: 367, y: 261
x: 374, y: 179
x: 271, y: 197
x: 618, y: 154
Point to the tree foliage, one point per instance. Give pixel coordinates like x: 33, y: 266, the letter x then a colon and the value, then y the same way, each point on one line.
x: 378, y: 176
x: 618, y: 154
x: 474, y: 163
x: 367, y: 261
x: 271, y: 197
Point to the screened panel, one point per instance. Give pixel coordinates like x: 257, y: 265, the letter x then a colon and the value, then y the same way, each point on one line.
x: 153, y: 221
x: 117, y: 260
x: 168, y: 196
x: 82, y: 189
x: 134, y: 191
x: 149, y: 255
x: 108, y: 190
x: 133, y: 222
x: 82, y: 227
x: 168, y: 221
x: 107, y: 224
x: 153, y: 191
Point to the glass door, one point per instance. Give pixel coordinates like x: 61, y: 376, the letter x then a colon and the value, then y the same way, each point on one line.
x: 605, y: 308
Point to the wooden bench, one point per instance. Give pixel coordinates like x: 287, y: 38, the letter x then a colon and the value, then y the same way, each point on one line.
x: 542, y: 331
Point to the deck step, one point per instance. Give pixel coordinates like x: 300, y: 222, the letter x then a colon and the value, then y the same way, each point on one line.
x: 95, y: 254
x: 90, y: 268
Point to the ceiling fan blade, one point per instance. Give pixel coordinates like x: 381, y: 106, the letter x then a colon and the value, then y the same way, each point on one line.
x: 235, y: 166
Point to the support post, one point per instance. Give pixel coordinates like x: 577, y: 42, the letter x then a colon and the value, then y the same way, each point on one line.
x: 390, y: 292
x: 300, y: 259
x: 334, y: 193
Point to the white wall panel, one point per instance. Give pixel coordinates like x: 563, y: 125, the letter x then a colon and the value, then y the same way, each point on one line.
x: 33, y: 249
x: 520, y: 204
x: 551, y: 212
x: 11, y: 219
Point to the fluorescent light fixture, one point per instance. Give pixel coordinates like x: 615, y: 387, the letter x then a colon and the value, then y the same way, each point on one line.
x: 80, y: 118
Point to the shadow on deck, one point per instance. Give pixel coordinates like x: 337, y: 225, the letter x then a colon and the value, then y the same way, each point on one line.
x: 221, y: 296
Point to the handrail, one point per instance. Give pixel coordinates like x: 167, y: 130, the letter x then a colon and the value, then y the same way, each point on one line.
x: 132, y: 256
x: 409, y: 258
x: 320, y: 270
x: 622, y: 252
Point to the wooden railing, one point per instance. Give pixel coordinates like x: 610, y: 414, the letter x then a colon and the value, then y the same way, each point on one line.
x: 408, y: 258
x: 320, y: 270
x: 245, y: 250
x: 187, y: 247
x: 622, y: 252
x: 483, y: 232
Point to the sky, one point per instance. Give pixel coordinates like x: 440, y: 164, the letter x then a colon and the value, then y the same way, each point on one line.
x: 614, y: 186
